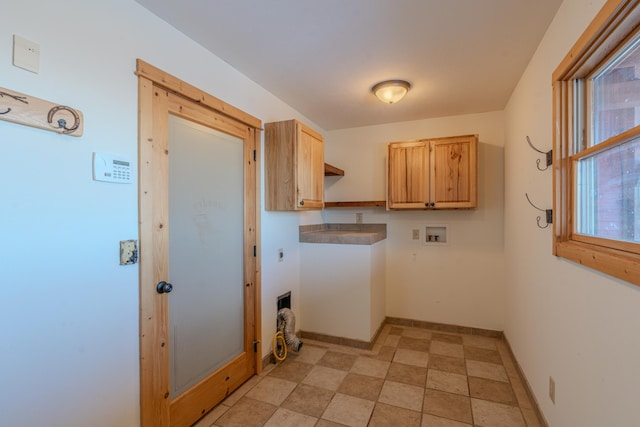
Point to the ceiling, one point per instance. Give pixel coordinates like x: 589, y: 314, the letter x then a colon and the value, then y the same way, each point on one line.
x: 322, y: 56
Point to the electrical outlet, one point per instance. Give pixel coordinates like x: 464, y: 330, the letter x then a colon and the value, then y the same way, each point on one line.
x: 128, y: 252
x: 552, y: 390
x: 280, y: 255
x: 359, y: 218
x: 416, y: 234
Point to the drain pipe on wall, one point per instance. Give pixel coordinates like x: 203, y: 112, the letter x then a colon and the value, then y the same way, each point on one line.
x: 287, y: 325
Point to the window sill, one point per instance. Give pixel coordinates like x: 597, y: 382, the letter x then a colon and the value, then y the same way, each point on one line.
x: 619, y: 264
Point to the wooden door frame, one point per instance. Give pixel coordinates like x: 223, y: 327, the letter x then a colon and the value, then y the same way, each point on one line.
x: 154, y: 334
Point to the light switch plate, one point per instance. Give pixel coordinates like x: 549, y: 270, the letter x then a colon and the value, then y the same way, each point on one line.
x: 26, y: 54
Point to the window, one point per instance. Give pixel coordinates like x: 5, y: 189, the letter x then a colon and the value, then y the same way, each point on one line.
x: 597, y: 145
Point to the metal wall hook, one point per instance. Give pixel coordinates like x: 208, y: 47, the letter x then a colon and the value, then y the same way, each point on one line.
x: 548, y: 214
x: 548, y: 154
x: 62, y: 123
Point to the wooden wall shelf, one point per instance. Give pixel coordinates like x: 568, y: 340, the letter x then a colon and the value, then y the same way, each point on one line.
x: 330, y: 170
x: 366, y: 204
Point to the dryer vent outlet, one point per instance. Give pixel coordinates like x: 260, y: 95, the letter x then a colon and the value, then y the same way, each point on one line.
x: 284, y: 301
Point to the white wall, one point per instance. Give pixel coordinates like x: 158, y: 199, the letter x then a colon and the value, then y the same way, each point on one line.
x: 562, y: 320
x: 461, y: 283
x: 69, y: 340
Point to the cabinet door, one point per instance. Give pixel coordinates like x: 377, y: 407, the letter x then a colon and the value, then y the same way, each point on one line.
x: 407, y: 175
x: 310, y: 170
x: 454, y: 172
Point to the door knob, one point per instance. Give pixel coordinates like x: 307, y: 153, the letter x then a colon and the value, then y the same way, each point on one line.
x: 164, y: 287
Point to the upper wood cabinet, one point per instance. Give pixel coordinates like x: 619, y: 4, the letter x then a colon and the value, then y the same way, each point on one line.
x: 294, y: 167
x: 439, y: 173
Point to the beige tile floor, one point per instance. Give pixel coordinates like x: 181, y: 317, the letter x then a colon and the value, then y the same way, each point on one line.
x: 412, y: 378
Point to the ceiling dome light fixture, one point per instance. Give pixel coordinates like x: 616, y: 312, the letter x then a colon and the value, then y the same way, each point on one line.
x: 391, y: 91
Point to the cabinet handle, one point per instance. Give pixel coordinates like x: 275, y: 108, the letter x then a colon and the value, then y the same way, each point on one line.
x: 432, y: 204
x: 301, y: 202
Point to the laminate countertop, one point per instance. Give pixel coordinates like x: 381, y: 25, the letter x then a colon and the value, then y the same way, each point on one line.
x: 343, y: 234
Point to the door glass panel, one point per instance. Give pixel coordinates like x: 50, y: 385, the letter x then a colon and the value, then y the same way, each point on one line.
x: 206, y: 223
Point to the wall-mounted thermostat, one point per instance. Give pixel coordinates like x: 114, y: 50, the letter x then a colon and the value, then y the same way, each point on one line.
x: 110, y: 168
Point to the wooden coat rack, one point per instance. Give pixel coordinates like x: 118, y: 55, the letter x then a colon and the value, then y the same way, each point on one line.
x: 27, y: 110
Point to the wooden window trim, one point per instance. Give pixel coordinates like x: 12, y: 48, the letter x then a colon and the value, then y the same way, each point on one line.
x: 612, y: 26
